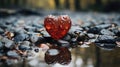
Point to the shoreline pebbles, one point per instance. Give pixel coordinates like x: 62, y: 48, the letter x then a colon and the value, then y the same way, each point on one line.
x: 20, y: 34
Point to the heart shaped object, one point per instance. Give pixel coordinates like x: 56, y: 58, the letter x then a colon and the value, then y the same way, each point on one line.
x: 59, y: 55
x: 57, y: 27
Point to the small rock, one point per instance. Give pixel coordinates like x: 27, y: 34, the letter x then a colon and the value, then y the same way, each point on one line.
x: 106, y: 32
x: 67, y: 37
x: 105, y: 39
x: 19, y: 30
x: 117, y: 32
x: 106, y: 46
x: 25, y: 45
x: 1, y: 31
x: 45, y: 34
x: 75, y: 29
x: 94, y: 30
x: 64, y: 43
x: 36, y: 50
x: 12, y: 54
x: 40, y: 40
x: 8, y: 43
x: 1, y: 45
x: 104, y: 26
x: 73, y: 42
x: 1, y: 54
x: 37, y: 25
x: 90, y: 35
x: 82, y: 37
x: 34, y: 38
x: 29, y: 28
x: 117, y: 41
x: 87, y: 24
x: 20, y: 37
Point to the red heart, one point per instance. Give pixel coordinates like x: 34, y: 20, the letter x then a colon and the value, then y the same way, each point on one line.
x: 57, y: 27
x: 59, y: 55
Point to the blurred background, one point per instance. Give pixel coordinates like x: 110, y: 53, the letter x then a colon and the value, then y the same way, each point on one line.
x: 81, y: 57
x: 73, y: 5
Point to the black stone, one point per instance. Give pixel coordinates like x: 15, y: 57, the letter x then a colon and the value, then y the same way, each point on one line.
x: 82, y: 37
x: 40, y: 41
x: 117, y: 32
x: 73, y: 42
x: 106, y: 46
x: 1, y: 45
x: 94, y: 30
x: 36, y: 50
x: 105, y: 39
x: 67, y: 37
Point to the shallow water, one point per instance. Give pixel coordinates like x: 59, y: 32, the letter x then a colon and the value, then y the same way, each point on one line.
x: 81, y: 57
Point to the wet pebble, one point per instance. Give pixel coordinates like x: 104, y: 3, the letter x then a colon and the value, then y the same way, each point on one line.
x: 29, y: 28
x: 117, y: 41
x: 104, y: 26
x: 74, y: 30
x: 90, y: 35
x: 25, y: 45
x: 94, y: 30
x: 7, y: 43
x: 1, y: 45
x: 19, y: 30
x: 1, y: 54
x: 1, y: 31
x: 20, y: 37
x: 36, y: 50
x: 45, y: 34
x: 41, y: 40
x: 12, y: 54
x: 33, y: 38
x: 117, y: 32
x: 105, y: 39
x: 73, y: 42
x: 64, y: 43
x: 82, y: 37
x: 106, y: 46
x: 106, y: 32
x: 37, y: 25
x: 67, y: 37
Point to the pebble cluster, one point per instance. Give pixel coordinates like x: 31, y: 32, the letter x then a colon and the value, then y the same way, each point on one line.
x: 21, y: 34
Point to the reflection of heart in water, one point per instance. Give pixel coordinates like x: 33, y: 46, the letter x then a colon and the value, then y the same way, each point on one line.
x: 59, y: 55
x: 57, y: 27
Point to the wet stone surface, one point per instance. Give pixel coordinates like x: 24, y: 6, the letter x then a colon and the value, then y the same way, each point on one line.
x: 21, y: 34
